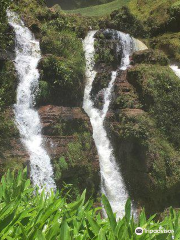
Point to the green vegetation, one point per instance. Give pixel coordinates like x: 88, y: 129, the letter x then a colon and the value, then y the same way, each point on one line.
x: 149, y: 160
x: 124, y: 20
x: 157, y: 8
x: 100, y: 10
x: 5, y: 36
x: 60, y: 165
x: 7, y: 97
x: 169, y: 43
x: 158, y: 90
x: 157, y: 16
x: 73, y: 4
x: 76, y: 166
x: 62, y: 66
x: 150, y: 56
x: 25, y: 215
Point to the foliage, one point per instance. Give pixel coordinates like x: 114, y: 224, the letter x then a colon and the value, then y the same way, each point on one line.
x: 7, y: 85
x: 125, y: 21
x: 148, y: 160
x: 126, y: 101
x: 78, y: 168
x: 60, y: 165
x: 158, y: 90
x: 61, y: 80
x: 105, y: 52
x: 25, y: 214
x: 157, y: 16
x: 169, y: 43
x: 150, y: 56
x: 5, y: 36
x: 77, y: 150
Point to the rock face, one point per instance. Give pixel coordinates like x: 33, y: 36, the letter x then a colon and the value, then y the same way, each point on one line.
x: 68, y: 140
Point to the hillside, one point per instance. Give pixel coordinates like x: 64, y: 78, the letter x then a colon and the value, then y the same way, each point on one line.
x: 73, y: 4
x: 100, y: 10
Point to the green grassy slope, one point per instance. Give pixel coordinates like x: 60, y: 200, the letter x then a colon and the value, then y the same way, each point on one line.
x: 100, y: 10
x: 143, y: 9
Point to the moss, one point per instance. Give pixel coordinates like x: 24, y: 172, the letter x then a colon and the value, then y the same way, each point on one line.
x: 76, y: 167
x: 158, y: 90
x: 124, y: 20
x: 64, y: 81
x: 150, y: 56
x: 157, y: 16
x: 68, y: 127
x: 104, y: 53
x: 149, y: 163
x: 8, y: 83
x: 128, y: 100
x: 169, y: 43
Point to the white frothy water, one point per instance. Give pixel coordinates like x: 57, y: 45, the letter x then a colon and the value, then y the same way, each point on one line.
x: 138, y: 45
x: 176, y: 70
x: 28, y: 122
x: 112, y: 184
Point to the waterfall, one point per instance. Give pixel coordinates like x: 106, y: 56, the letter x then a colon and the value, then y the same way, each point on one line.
x: 112, y: 184
x: 27, y: 119
x: 138, y: 45
x: 176, y: 70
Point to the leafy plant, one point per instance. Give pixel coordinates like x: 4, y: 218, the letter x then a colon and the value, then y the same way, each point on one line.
x: 26, y: 214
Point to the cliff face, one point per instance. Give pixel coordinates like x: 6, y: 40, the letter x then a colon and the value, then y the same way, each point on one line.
x: 68, y: 139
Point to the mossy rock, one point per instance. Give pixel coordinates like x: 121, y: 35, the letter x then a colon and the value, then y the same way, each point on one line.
x: 124, y: 20
x: 158, y: 91
x: 76, y: 167
x: 64, y: 82
x: 150, y: 165
x: 150, y: 56
x: 168, y: 43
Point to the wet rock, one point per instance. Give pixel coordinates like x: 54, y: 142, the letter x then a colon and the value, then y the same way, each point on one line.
x: 6, y: 55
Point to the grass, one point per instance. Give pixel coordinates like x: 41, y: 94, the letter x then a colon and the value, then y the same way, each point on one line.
x: 100, y: 10
x: 144, y: 8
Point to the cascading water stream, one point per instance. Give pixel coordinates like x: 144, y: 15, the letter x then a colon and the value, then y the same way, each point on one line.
x: 176, y: 70
x: 112, y: 184
x: 27, y: 119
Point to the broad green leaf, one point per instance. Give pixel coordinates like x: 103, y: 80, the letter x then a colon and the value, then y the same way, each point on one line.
x: 109, y: 212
